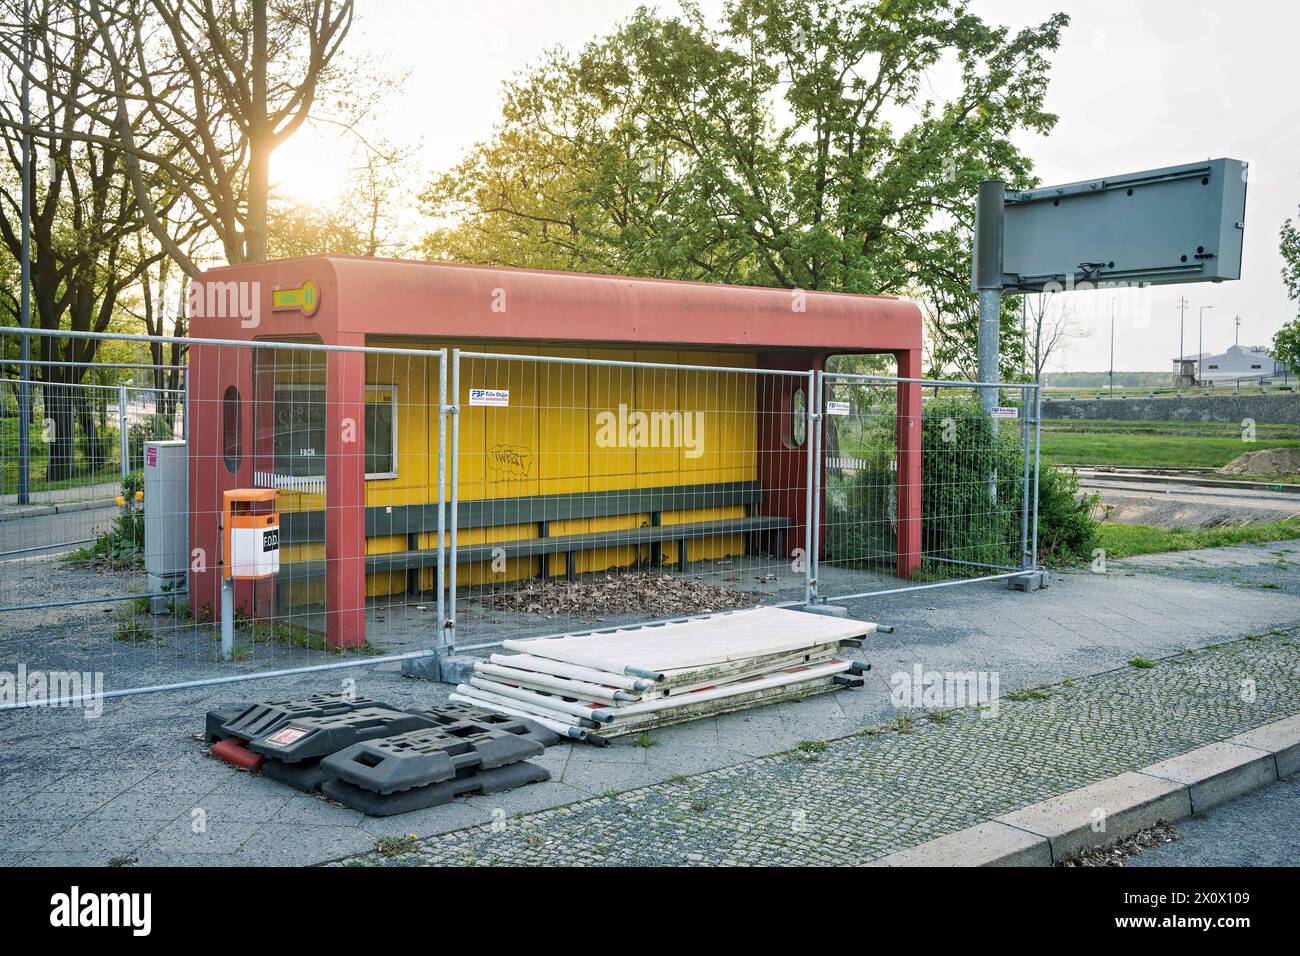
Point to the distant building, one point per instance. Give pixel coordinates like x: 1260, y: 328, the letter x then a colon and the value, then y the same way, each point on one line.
x: 1240, y: 362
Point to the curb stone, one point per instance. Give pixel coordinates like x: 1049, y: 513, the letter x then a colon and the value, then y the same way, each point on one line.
x: 42, y: 511
x: 1216, y: 773
x: 1060, y: 827
x: 986, y: 844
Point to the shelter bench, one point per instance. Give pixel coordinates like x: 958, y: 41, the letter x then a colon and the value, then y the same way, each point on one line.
x: 543, y: 511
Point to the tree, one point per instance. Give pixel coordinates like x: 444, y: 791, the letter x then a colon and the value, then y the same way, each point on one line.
x: 366, y: 222
x: 222, y: 83
x: 1286, y: 345
x: 1050, y: 322
x: 1290, y: 249
x: 84, y: 218
x: 798, y: 144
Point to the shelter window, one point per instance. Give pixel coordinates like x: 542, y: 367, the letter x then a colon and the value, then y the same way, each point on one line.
x: 798, y: 418
x: 231, y: 438
x: 300, y: 431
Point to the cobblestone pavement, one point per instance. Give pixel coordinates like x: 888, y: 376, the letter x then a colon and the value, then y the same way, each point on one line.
x: 856, y: 799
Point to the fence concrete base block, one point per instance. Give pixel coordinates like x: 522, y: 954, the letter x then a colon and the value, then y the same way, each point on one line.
x: 450, y: 670
x: 1280, y: 738
x: 1217, y: 772
x: 1029, y: 581
x: 985, y: 844
x: 1102, y: 812
x: 830, y: 610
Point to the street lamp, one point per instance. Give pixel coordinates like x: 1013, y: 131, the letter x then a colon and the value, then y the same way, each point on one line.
x: 1200, y: 346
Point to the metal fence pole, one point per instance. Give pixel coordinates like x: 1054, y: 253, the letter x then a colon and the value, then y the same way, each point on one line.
x: 441, y: 574
x: 123, y: 441
x: 1025, y: 403
x: 819, y: 464
x: 810, y: 443
x: 1038, y: 431
x: 454, y: 410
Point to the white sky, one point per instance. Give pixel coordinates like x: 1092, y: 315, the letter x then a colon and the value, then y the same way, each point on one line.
x: 1137, y: 84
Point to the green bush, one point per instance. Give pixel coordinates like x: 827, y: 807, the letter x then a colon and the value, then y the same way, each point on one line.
x: 971, y: 494
x: 971, y: 500
x: 1067, y: 530
x: 122, y: 545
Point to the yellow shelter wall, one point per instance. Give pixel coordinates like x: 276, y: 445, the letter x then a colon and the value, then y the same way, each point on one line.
x: 549, y: 440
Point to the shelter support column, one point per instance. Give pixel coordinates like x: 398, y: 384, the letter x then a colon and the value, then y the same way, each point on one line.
x: 909, y: 464
x: 345, y: 496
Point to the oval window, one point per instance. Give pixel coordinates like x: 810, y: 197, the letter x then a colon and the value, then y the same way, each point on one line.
x: 798, y: 418
x: 231, y: 438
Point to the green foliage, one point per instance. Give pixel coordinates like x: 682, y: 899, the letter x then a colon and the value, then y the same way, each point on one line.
x: 153, y: 428
x: 1124, y: 540
x: 1290, y: 249
x: 971, y: 486
x: 1149, y: 451
x: 1067, y: 530
x: 121, y: 547
x: 971, y: 498
x: 1286, y: 343
x: 795, y: 144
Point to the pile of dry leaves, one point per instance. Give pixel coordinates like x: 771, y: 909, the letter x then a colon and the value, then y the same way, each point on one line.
x: 641, y: 592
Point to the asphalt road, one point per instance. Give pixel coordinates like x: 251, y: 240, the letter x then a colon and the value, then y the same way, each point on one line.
x: 44, y: 535
x: 1259, y: 829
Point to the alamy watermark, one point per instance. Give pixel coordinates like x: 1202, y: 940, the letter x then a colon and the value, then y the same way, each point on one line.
x: 932, y: 690
x: 655, y: 429
x: 65, y: 689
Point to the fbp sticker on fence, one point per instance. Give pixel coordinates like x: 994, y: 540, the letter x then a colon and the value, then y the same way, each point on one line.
x: 1005, y: 411
x: 837, y: 408
x: 495, y: 397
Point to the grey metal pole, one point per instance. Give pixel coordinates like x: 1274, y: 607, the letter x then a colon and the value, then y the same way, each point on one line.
x: 442, y: 509
x: 227, y: 618
x: 1025, y: 404
x: 815, y: 557
x: 809, y: 441
x: 454, y: 408
x: 123, y: 439
x: 1038, y: 434
x: 986, y: 276
x: 25, y: 271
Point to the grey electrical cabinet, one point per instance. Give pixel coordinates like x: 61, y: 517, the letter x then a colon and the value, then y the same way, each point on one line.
x: 166, y: 520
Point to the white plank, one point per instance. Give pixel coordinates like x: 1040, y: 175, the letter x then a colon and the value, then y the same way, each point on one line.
x: 719, y: 638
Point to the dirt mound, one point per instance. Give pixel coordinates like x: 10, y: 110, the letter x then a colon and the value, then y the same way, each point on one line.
x: 1271, y: 461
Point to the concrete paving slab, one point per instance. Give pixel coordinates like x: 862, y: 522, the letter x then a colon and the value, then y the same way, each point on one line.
x: 1280, y: 738
x: 986, y: 844
x: 219, y: 836
x: 1217, y: 772
x: 22, y: 836
x: 105, y: 838
x: 1102, y: 812
x: 434, y: 820
x: 535, y: 796
x: 61, y: 804
x: 285, y: 844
